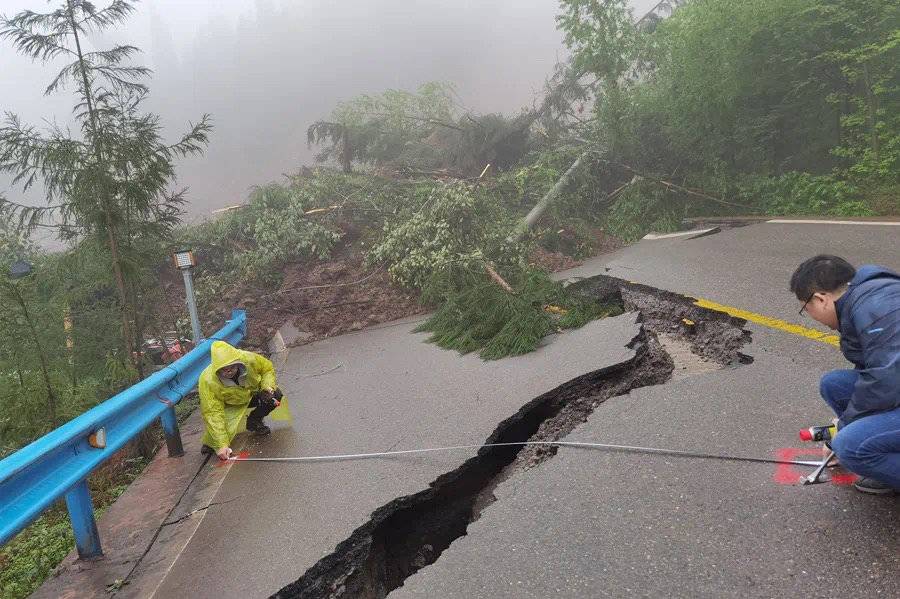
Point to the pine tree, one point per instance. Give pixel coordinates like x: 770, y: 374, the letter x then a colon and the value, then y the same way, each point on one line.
x: 112, y: 181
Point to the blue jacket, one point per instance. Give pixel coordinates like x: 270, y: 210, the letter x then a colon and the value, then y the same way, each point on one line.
x: 869, y: 323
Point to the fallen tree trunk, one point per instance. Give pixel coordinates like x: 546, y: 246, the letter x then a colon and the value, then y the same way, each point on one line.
x: 670, y: 185
x: 532, y: 217
x: 495, y: 276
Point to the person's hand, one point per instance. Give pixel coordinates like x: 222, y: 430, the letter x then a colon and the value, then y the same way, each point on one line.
x: 271, y: 397
x: 224, y: 453
x: 263, y: 397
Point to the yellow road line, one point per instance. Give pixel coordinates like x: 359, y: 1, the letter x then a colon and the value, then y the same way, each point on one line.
x: 768, y: 321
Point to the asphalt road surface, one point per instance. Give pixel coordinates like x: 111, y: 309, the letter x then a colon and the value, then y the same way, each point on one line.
x: 586, y: 523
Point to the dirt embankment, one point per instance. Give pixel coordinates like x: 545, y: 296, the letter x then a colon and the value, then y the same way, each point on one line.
x: 328, y: 298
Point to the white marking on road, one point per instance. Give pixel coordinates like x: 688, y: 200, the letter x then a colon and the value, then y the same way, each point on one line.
x: 784, y: 221
x: 654, y: 236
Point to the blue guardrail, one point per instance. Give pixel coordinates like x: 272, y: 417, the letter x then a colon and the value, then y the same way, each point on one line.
x: 59, y: 463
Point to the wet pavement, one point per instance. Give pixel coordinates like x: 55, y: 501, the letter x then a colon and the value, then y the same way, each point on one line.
x: 375, y: 390
x: 586, y: 523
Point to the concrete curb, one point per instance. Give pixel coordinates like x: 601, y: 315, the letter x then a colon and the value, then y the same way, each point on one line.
x: 139, y: 544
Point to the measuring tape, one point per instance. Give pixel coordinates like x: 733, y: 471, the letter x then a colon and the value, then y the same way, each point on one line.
x: 623, y: 448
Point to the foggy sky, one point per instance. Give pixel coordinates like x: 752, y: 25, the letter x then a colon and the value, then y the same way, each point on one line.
x: 266, y: 69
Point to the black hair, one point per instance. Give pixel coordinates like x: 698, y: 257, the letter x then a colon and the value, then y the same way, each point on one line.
x: 821, y: 273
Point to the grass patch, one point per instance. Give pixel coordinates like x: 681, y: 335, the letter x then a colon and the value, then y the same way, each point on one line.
x: 27, y: 560
x: 483, y: 317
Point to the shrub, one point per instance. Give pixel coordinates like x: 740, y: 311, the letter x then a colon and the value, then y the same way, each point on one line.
x: 483, y: 316
x: 454, y: 231
x: 281, y: 231
x: 797, y: 193
x: 642, y: 208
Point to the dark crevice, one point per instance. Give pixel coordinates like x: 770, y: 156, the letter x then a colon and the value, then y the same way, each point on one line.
x: 712, y: 335
x: 412, y: 531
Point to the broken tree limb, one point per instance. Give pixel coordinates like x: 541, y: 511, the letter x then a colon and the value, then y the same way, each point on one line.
x: 670, y: 185
x: 497, y: 278
x: 529, y: 221
x: 621, y: 188
x: 308, y: 287
x: 320, y: 210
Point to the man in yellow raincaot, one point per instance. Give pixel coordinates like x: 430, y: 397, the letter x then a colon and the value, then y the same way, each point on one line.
x: 234, y: 381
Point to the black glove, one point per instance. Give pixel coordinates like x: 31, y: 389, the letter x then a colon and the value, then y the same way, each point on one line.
x: 277, y: 394
x: 265, y: 399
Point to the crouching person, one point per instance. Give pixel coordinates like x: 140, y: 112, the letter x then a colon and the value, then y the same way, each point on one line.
x: 235, y: 381
x: 864, y: 306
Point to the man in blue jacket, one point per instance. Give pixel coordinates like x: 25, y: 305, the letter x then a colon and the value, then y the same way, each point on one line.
x: 864, y: 306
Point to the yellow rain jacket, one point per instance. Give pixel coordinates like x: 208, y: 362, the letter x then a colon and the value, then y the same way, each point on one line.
x: 223, y: 404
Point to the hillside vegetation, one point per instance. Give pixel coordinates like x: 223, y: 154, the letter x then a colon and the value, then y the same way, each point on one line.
x: 751, y: 107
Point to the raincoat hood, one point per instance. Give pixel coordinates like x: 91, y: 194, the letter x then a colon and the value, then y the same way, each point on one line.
x: 222, y: 402
x: 222, y: 355
x: 869, y: 321
x: 871, y: 271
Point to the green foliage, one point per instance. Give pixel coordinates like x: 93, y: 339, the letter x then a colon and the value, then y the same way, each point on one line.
x: 574, y: 238
x: 788, y: 106
x: 256, y: 240
x: 277, y: 225
x: 455, y: 230
x: 421, y: 130
x: 28, y: 559
x: 442, y: 248
x: 109, y: 182
x: 601, y: 35
x: 387, y: 128
x: 803, y: 194
x: 643, y: 208
x: 115, y: 176
x: 865, y: 51
x: 63, y: 286
x: 480, y: 315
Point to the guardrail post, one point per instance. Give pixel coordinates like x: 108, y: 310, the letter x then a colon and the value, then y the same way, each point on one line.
x: 43, y: 471
x: 81, y: 514
x: 173, y: 436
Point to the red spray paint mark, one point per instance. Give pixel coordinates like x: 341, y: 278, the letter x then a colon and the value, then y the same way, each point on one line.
x: 844, y: 479
x: 236, y: 458
x: 788, y: 474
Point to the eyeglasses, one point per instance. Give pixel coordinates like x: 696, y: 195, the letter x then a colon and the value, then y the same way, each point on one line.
x: 803, y: 307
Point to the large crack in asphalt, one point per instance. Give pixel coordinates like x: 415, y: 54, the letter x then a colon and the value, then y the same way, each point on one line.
x: 412, y: 531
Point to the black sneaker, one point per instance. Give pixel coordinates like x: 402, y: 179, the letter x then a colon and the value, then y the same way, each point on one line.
x: 256, y: 426
x: 207, y: 450
x: 873, y: 487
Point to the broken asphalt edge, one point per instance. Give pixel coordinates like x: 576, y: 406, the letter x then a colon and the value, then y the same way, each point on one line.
x: 411, y: 532
x: 144, y: 537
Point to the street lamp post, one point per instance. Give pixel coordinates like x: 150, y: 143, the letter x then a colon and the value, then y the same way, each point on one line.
x: 185, y: 262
